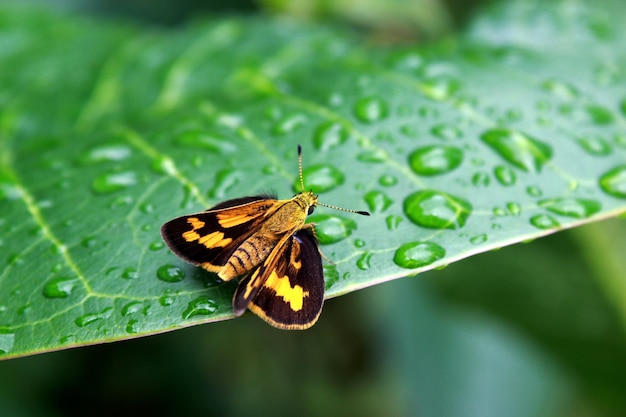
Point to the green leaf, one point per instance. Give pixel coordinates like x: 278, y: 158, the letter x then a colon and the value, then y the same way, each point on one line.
x: 107, y: 131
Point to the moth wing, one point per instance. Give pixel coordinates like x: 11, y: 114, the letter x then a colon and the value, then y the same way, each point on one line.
x: 287, y: 290
x: 209, y: 238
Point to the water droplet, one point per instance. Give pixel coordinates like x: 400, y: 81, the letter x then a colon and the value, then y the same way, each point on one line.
x: 289, y: 124
x: 534, y: 191
x: 112, y: 152
x: 377, y: 201
x: 435, y: 159
x: 130, y: 273
x: 481, y: 179
x: 387, y: 180
x: 446, y: 132
x: 329, y: 135
x: 505, y: 175
x: 8, y: 190
x: 164, y: 165
x: 170, y: 273
x: 89, y: 318
x: 332, y: 228
x: 437, y: 210
x: 614, y: 182
x: 88, y: 242
x: 359, y: 243
x: 375, y: 156
x: 561, y: 90
x: 418, y: 254
x: 499, y: 211
x: 146, y: 208
x: 409, y: 131
x: 579, y: 208
x: 544, y: 221
x: 595, y: 146
x: 132, y: 308
x: 363, y: 263
x: 599, y: 115
x: 519, y: 149
x: 514, y: 208
x: 200, y: 306
x: 213, y: 143
x: 71, y: 338
x: 225, y: 180
x: 7, y: 340
x: 478, y: 239
x: 393, y: 222
x: 166, y: 300
x: 371, y: 109
x: 109, y: 183
x: 440, y: 88
x: 24, y: 310
x: 331, y: 275
x: 320, y: 178
x: 156, y: 245
x: 60, y: 287
x: 132, y: 326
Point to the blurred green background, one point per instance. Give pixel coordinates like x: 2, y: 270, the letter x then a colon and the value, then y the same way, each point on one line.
x: 530, y: 330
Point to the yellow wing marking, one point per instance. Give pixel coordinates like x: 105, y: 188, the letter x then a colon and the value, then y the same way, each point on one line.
x: 292, y: 295
x: 228, y: 220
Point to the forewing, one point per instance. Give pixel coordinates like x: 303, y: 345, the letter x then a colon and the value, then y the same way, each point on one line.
x: 287, y: 291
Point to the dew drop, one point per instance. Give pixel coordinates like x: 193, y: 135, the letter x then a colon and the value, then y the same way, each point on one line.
x: 561, y: 90
x: 393, y: 222
x: 363, y: 263
x: 519, y: 149
x: 289, y: 124
x: 446, y: 132
x: 437, y: 210
x: 478, y: 239
x: 130, y: 273
x: 377, y: 201
x: 132, y: 308
x: 225, y: 180
x: 329, y: 135
x: 544, y: 221
x: 8, y: 190
x: 371, y: 109
x: 216, y: 144
x: 387, y: 180
x: 166, y: 300
x: 613, y: 182
x: 67, y: 339
x: 359, y: 243
x: 331, y: 228
x: 505, y: 175
x: 481, y: 179
x: 200, y: 306
x: 534, y: 191
x: 7, y: 340
x: 320, y: 178
x: 418, y: 254
x: 435, y: 159
x: 89, y: 318
x: 170, y: 273
x: 109, y: 183
x: 514, y: 208
x: 132, y: 326
x: 499, y: 211
x: 595, y: 146
x: 156, y: 245
x: 164, y: 165
x: 579, y: 208
x: 60, y: 287
x: 374, y: 156
x: 146, y: 208
x: 440, y: 88
x: 111, y: 152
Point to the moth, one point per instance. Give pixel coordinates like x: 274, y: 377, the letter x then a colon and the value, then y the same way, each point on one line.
x: 267, y: 242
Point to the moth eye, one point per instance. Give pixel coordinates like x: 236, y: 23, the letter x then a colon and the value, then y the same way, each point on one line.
x: 311, y: 209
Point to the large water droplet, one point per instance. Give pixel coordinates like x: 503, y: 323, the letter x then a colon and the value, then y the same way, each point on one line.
x: 377, y: 201
x: 578, y: 208
x: 7, y: 340
x: 505, y: 175
x: 518, y: 148
x: 371, y: 109
x: 363, y: 263
x: 60, y: 287
x: 544, y: 221
x: 320, y: 178
x: 89, y: 318
x: 329, y: 135
x: 435, y: 159
x: 132, y: 308
x: 200, y: 306
x: 206, y: 141
x: 111, y: 182
x: 613, y: 182
x: 332, y: 228
x: 170, y: 273
x: 437, y: 210
x: 418, y: 254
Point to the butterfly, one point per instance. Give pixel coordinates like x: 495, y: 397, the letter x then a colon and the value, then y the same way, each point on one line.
x: 267, y: 242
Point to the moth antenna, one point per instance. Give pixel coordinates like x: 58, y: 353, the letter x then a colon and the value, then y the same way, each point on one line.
x: 363, y: 213
x: 300, y: 167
